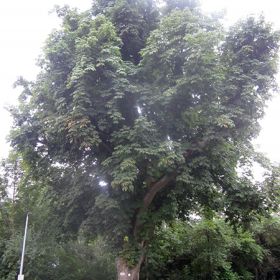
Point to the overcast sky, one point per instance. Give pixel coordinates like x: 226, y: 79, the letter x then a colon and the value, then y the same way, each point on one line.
x: 24, y: 25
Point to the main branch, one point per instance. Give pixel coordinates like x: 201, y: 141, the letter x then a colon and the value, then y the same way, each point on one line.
x: 149, y: 197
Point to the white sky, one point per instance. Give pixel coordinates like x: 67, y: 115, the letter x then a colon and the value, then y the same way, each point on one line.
x: 24, y: 26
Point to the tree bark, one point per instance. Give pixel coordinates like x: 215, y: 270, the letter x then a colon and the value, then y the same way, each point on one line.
x: 149, y: 197
x: 128, y: 273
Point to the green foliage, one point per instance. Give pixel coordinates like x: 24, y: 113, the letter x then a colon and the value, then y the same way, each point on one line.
x: 51, y: 251
x: 161, y: 106
x: 134, y: 20
x: 267, y: 235
x: 73, y: 261
x: 208, y: 249
x: 180, y: 4
x: 52, y: 261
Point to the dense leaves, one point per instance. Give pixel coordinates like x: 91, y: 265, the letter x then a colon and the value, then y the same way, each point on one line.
x: 208, y: 249
x: 141, y: 116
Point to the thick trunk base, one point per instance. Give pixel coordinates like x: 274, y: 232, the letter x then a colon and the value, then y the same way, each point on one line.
x: 125, y: 272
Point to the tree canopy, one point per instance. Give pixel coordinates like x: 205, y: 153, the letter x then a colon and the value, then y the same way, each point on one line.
x: 142, y: 115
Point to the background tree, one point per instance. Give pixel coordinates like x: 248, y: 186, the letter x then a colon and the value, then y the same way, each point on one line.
x: 160, y: 107
x: 51, y: 251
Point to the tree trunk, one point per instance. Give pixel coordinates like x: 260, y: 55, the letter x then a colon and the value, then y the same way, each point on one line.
x: 127, y: 273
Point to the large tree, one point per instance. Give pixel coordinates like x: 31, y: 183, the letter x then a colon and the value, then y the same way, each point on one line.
x: 140, y: 116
